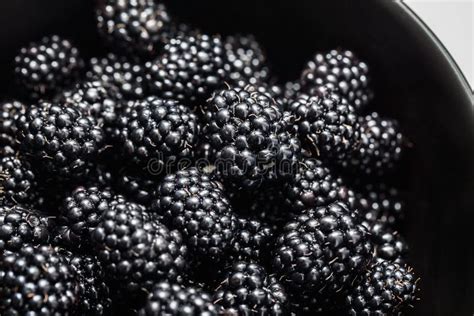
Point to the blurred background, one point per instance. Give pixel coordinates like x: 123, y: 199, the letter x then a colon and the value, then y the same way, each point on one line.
x: 452, y: 22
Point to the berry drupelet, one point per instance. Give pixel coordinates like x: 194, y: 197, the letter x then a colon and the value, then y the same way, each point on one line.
x: 388, y: 244
x: 117, y: 71
x: 46, y: 67
x: 163, y: 130
x: 313, y: 185
x: 245, y: 62
x: 172, y: 299
x: 339, y: 70
x: 249, y: 137
x: 135, y: 249
x: 94, y: 292
x: 133, y: 26
x: 9, y: 113
x: 249, y: 290
x: 62, y: 138
x: 81, y: 212
x: 379, y: 203
x: 20, y: 226
x: 197, y: 206
x: 37, y: 281
x: 18, y: 181
x: 189, y: 70
x: 386, y: 289
x: 380, y: 146
x: 252, y: 241
x: 321, y: 252
x: 95, y: 99
x: 326, y: 123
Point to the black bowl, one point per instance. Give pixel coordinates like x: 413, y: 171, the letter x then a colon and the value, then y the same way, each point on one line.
x: 415, y: 78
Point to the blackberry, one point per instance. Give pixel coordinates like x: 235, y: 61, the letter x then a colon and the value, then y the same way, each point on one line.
x: 245, y: 62
x: 117, y: 71
x: 386, y: 289
x: 172, y: 299
x: 62, y: 138
x: 163, y: 130
x: 20, y: 226
x: 94, y: 292
x: 95, y: 99
x: 9, y: 113
x: 321, y: 252
x: 313, y: 185
x: 135, y: 249
x: 379, y: 202
x: 388, y: 244
x: 189, y: 70
x: 327, y: 123
x: 196, y: 206
x: 340, y: 70
x: 37, y: 281
x: 380, y: 146
x: 249, y: 290
x: 249, y: 136
x: 18, y: 181
x: 46, y: 67
x: 80, y: 213
x: 135, y: 26
x: 252, y: 241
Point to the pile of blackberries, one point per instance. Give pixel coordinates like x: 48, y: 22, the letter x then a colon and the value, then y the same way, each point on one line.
x: 176, y: 176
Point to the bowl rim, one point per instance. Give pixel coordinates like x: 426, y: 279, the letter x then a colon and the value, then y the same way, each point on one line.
x: 463, y: 84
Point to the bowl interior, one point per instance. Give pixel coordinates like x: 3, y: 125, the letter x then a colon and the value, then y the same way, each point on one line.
x: 415, y: 82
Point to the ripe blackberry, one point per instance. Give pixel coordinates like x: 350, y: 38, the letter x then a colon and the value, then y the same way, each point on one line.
x: 386, y: 289
x: 252, y: 241
x: 135, y: 249
x: 378, y: 202
x: 341, y: 70
x: 18, y: 181
x: 249, y: 136
x: 46, y: 67
x: 9, y: 113
x: 95, y: 99
x: 163, y: 130
x: 327, y: 123
x: 245, y: 62
x: 20, y: 226
x: 321, y: 251
x: 80, y: 213
x: 196, y: 206
x: 313, y: 185
x: 189, y: 70
x: 135, y: 26
x: 62, y: 138
x: 388, y: 244
x: 172, y: 299
x: 380, y: 146
x: 37, y: 281
x: 249, y: 290
x: 117, y: 71
x: 94, y: 292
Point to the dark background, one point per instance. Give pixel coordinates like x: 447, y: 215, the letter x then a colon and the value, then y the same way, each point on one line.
x: 414, y: 82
